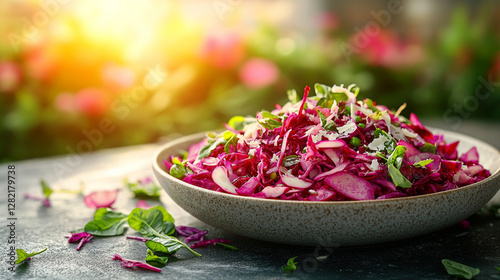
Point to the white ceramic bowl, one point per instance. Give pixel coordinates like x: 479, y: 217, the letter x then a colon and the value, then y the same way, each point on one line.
x: 332, y: 223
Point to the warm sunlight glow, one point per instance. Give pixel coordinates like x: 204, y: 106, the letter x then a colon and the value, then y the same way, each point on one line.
x: 128, y: 27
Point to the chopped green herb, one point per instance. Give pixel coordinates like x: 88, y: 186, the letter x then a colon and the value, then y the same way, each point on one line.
x: 232, y: 140
x: 22, y: 255
x: 206, y: 150
x: 237, y: 122
x: 290, y: 266
x: 423, y: 163
x: 428, y: 148
x: 178, y: 169
x: 460, y: 270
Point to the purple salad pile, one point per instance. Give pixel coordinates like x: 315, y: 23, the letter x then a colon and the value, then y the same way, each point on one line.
x: 327, y: 147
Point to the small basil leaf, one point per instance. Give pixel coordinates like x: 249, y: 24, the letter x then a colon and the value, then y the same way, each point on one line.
x: 155, y: 260
x: 237, y: 122
x: 106, y: 228
x: 397, y: 178
x: 290, y: 266
x: 428, y: 148
x: 460, y: 270
x: 396, y: 157
x: 147, y: 222
x: 22, y: 255
x: 47, y: 191
x: 206, y: 150
x: 163, y: 245
x: 150, y: 189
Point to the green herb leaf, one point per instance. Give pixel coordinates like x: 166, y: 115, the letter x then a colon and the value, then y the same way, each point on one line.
x: 206, y: 150
x: 290, y: 266
x: 428, y: 148
x: 105, y: 228
x: 107, y: 223
x: 423, y: 163
x: 150, y: 189
x: 460, y: 270
x: 165, y: 245
x: 237, y: 122
x: 157, y: 225
x: 371, y: 105
x: 269, y: 115
x: 47, y: 191
x: 150, y: 222
x: 397, y: 178
x: 22, y: 255
x: 233, y: 139
x: 396, y: 158
x: 269, y: 123
x: 227, y: 246
x: 155, y: 260
x: 322, y: 91
x: 178, y: 170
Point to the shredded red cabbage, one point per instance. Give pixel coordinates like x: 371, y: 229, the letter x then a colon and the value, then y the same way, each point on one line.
x: 329, y: 147
x: 132, y: 264
x: 82, y: 237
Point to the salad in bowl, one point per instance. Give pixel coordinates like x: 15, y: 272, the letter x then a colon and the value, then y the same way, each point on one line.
x: 327, y: 146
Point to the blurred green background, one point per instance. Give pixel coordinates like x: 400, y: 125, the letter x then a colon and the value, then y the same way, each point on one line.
x: 80, y: 76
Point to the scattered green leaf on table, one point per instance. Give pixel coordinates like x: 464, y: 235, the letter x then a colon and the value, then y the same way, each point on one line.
x: 157, y: 225
x: 460, y: 270
x: 22, y: 255
x: 107, y: 223
x: 290, y: 266
x: 227, y: 246
x: 47, y: 191
x: 144, y: 188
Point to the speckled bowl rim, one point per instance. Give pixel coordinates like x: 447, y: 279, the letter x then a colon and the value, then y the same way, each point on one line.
x: 159, y: 157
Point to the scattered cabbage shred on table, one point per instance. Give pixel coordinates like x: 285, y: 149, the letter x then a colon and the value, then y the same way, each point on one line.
x: 329, y: 147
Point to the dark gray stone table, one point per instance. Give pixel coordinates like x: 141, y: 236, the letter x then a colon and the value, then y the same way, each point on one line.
x: 38, y: 227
